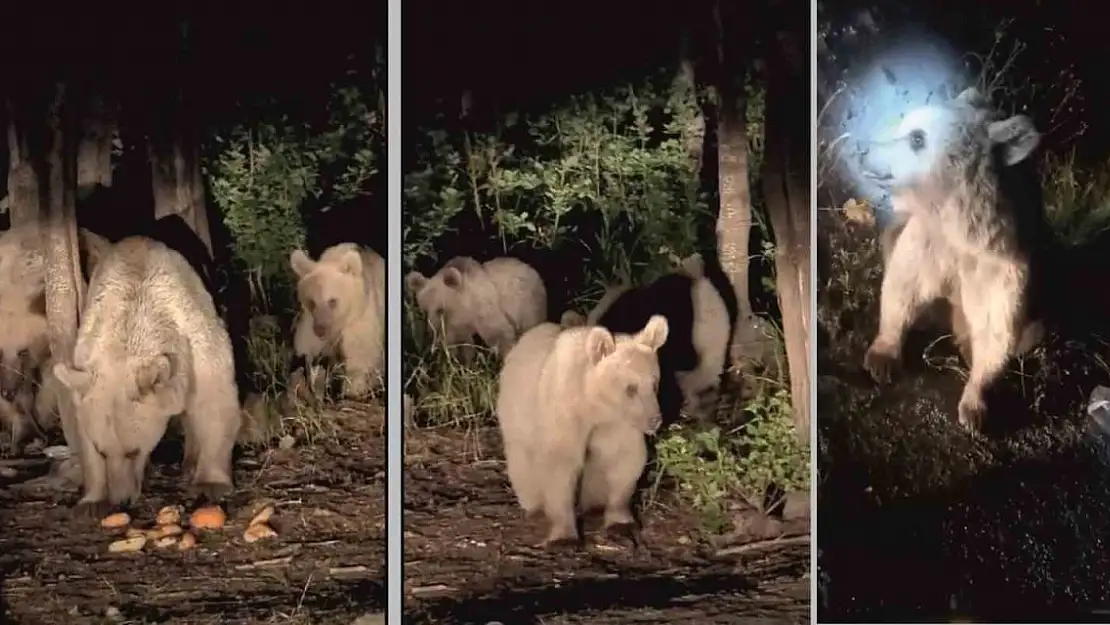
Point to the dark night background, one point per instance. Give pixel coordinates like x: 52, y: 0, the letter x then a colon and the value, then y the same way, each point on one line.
x: 275, y: 56
x: 1021, y: 537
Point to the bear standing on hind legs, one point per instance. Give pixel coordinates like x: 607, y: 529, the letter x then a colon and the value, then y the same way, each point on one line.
x: 342, y: 298
x: 945, y: 167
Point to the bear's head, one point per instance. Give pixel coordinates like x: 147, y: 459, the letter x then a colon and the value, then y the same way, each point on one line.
x: 331, y: 290
x: 444, y: 298
x: 124, y: 409
x: 938, y: 148
x: 623, y: 382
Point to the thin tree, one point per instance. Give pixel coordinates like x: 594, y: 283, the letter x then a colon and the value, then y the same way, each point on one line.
x: 786, y: 189
x: 734, y: 221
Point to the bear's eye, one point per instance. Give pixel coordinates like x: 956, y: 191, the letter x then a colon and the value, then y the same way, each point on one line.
x: 917, y: 139
x: 311, y: 305
x: 631, y: 390
x: 332, y: 302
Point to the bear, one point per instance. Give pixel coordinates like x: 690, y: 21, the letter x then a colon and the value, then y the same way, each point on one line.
x: 949, y: 309
x: 342, y: 297
x: 24, y: 347
x: 23, y: 261
x: 497, y: 300
x: 701, y: 317
x: 960, y: 235
x: 573, y: 407
x: 151, y: 346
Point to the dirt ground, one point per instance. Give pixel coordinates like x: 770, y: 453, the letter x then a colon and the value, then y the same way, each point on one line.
x: 327, y: 564
x: 470, y: 557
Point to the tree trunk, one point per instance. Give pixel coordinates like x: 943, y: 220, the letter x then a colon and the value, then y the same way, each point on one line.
x: 64, y: 284
x: 23, y: 184
x: 177, y: 183
x: 175, y: 167
x: 94, y: 152
x: 786, y: 187
x: 735, y: 218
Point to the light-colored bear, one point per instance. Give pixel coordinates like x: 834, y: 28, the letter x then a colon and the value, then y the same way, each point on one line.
x: 342, y: 298
x: 24, y: 347
x: 574, y: 404
x: 497, y: 300
x: 23, y: 260
x: 151, y: 346
x: 958, y: 235
x: 709, y: 332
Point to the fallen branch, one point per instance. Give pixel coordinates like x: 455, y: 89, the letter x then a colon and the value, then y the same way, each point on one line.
x: 762, y: 544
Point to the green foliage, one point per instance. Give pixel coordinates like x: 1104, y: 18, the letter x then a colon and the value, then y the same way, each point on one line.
x: 1077, y: 201
x: 624, y: 157
x: 710, y: 467
x: 262, y: 175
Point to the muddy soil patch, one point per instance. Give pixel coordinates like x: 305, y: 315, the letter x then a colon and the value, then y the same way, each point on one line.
x: 470, y: 557
x: 327, y: 564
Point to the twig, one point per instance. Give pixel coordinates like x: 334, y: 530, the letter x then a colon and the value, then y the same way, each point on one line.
x: 762, y: 544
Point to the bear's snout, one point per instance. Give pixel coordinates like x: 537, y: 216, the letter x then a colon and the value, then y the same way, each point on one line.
x: 320, y: 329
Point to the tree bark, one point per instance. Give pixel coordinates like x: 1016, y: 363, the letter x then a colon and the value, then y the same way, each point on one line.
x: 94, y: 152
x: 64, y: 288
x: 175, y: 167
x: 735, y: 218
x: 64, y: 285
x: 786, y: 187
x: 178, y: 187
x: 23, y: 184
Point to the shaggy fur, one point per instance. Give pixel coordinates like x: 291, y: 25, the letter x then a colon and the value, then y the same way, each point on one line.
x: 575, y: 405
x: 151, y: 346
x: 497, y: 300
x: 342, y: 316
x: 960, y: 235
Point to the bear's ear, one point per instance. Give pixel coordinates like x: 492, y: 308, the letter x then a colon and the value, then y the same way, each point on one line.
x: 415, y: 281
x: 1016, y: 137
x: 150, y: 376
x: 974, y: 97
x: 452, y: 277
x: 693, y: 266
x: 37, y: 305
x: 654, y: 333
x: 571, y: 319
x: 301, y: 263
x: 351, y: 263
x: 599, y: 344
x: 76, y: 380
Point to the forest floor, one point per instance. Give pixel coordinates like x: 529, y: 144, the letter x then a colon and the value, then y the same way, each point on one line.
x: 921, y: 520
x: 327, y: 564
x: 471, y: 557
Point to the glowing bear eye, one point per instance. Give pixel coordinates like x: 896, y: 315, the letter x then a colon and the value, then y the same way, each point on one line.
x: 917, y: 139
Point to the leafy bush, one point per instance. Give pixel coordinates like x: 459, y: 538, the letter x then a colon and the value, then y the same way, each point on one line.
x: 709, y: 465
